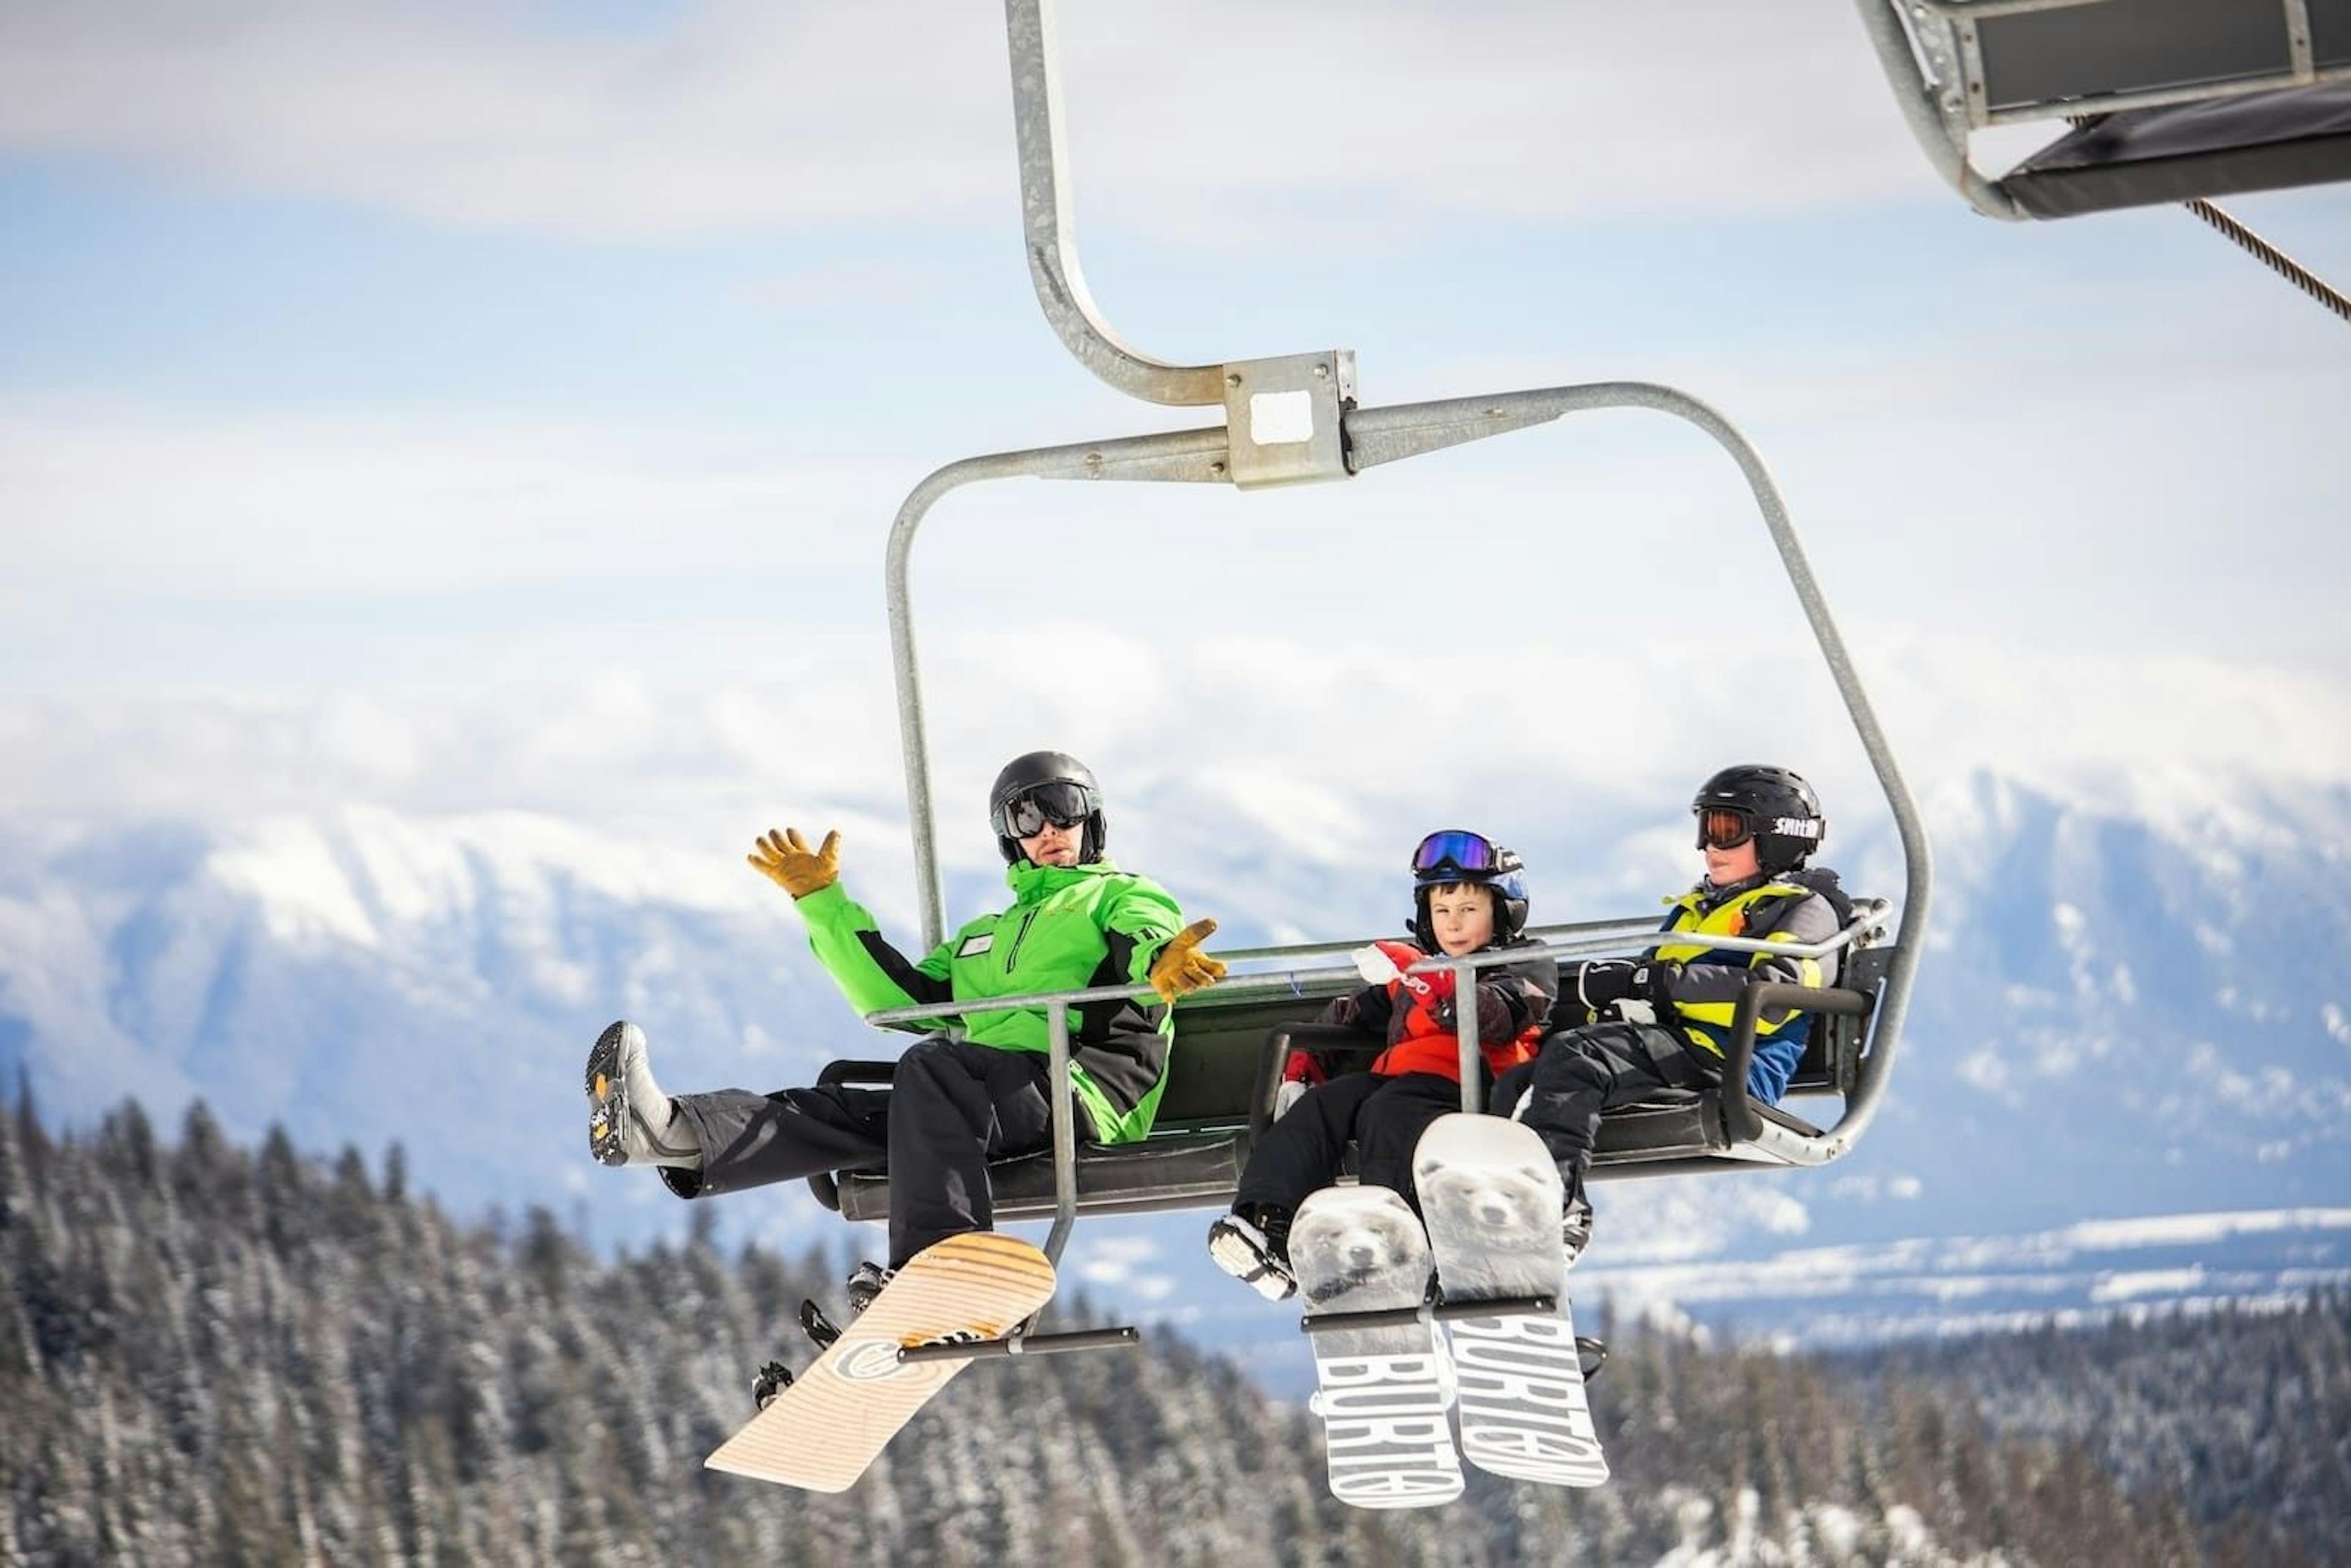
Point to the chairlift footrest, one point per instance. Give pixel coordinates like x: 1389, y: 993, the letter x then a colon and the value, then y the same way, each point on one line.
x: 1392, y: 1317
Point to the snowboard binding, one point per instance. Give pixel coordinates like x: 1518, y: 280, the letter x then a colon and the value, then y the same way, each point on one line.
x: 773, y: 1379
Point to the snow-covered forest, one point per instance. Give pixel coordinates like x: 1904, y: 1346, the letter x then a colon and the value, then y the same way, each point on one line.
x: 209, y: 1355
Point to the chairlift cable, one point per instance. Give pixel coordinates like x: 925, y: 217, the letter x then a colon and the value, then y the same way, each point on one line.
x: 2276, y: 260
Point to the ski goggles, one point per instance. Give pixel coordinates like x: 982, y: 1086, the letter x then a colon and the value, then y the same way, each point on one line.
x: 1065, y: 805
x: 1458, y: 850
x: 1720, y: 828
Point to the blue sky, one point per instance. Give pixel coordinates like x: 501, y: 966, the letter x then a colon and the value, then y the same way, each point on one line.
x: 362, y: 351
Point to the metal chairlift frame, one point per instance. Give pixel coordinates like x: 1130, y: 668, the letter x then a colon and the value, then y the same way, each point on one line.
x: 2171, y: 100
x: 1935, y: 55
x: 1293, y: 419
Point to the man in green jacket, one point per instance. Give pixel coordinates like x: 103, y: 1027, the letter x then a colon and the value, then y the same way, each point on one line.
x: 976, y: 1089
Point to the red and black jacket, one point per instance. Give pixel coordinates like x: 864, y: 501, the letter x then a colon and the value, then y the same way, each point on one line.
x: 1514, y: 1000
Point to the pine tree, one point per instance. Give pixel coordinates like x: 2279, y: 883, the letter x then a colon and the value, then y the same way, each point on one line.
x: 190, y: 1371
x: 395, y: 1174
x: 32, y: 1139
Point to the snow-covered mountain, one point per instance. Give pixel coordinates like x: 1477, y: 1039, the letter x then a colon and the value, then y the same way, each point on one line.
x: 2138, y: 1001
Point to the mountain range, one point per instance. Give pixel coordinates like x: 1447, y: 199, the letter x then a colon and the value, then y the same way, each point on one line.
x: 2133, y: 1006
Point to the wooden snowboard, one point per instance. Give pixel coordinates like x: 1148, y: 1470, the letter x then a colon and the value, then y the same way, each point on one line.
x: 822, y: 1432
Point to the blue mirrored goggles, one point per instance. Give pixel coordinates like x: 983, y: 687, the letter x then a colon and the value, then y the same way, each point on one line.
x: 1459, y: 850
x: 1065, y: 805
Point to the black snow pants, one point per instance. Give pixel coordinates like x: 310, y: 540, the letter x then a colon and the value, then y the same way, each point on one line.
x: 1301, y: 1153
x: 951, y: 1107
x: 1580, y: 1072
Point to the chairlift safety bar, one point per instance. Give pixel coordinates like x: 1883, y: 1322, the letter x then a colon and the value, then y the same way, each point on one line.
x: 1870, y: 917
x: 1630, y: 925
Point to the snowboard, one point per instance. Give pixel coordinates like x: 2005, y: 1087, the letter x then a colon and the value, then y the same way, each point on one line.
x: 823, y: 1430
x: 1382, y: 1390
x: 1490, y: 1194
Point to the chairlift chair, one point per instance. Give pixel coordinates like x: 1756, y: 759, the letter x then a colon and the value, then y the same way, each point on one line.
x: 1295, y: 419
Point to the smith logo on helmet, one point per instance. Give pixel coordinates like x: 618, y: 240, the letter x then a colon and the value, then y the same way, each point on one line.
x: 1796, y: 827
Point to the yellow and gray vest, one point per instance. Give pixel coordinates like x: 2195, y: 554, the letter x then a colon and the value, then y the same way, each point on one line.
x: 1707, y: 994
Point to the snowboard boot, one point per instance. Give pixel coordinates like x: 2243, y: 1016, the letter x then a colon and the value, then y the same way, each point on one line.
x: 630, y: 1121
x: 1575, y: 1228
x: 1252, y: 1245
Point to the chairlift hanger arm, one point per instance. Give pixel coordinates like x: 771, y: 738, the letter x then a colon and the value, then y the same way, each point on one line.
x: 1264, y: 399
x: 1050, y: 228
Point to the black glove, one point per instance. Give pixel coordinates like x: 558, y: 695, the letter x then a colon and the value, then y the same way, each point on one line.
x: 1650, y: 989
x: 1586, y: 997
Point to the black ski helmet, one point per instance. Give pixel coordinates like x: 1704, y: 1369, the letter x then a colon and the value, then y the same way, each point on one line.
x: 1024, y: 774
x: 1781, y: 809
x: 1499, y: 867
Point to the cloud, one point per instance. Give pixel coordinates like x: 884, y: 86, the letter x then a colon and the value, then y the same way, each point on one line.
x: 285, y: 506
x: 728, y: 115
x: 1294, y: 733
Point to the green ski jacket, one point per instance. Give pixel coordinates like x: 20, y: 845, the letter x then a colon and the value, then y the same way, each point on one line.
x: 1069, y: 928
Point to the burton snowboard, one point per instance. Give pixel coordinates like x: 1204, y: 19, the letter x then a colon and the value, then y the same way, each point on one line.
x: 1382, y: 1390
x: 823, y: 1431
x: 1491, y: 1194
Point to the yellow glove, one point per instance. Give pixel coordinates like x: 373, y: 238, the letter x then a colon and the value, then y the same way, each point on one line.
x: 785, y: 860
x: 1181, y: 967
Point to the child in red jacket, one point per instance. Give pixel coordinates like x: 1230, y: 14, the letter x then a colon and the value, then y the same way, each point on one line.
x: 1469, y: 895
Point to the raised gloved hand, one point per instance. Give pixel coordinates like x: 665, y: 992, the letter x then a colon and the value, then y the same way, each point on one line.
x: 1181, y: 967
x: 785, y: 860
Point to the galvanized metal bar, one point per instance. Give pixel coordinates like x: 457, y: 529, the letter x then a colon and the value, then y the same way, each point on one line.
x: 1631, y: 924
x: 1065, y: 1131
x: 1051, y: 226
x: 1935, y: 113
x: 2297, y: 40
x: 1970, y: 82
x: 2155, y: 97
x: 1465, y: 1027
x: 1285, y: 979
x: 1956, y: 9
